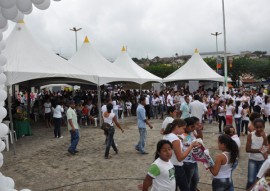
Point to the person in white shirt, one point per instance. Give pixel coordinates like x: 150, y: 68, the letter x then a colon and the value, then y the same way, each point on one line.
x: 170, y: 99
x: 128, y: 106
x: 258, y: 103
x: 229, y: 112
x: 161, y: 105
x: 155, y: 104
x: 47, y: 110
x: 147, y: 106
x: 266, y: 109
x: 161, y: 174
x: 238, y: 117
x: 197, y: 108
x: 221, y: 115
x: 57, y: 116
x: 169, y: 119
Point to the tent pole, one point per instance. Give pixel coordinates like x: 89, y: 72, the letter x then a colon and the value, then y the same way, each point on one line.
x: 10, y: 117
x: 140, y: 89
x: 28, y: 99
x: 99, y: 102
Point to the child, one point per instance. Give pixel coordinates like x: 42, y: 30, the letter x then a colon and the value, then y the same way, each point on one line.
x: 161, y: 173
x: 171, y: 133
x: 190, y: 165
x: 252, y: 117
x: 255, y: 141
x: 224, y: 163
x: 172, y: 114
x: 209, y: 113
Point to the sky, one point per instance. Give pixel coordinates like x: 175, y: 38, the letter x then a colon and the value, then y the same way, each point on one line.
x: 151, y: 28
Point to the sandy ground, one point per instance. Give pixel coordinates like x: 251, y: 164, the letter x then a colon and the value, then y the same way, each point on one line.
x: 43, y: 163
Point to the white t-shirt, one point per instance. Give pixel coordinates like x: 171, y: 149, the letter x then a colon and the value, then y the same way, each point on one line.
x: 238, y: 115
x: 229, y: 110
x: 221, y: 111
x: 256, y: 143
x: 265, y: 166
x: 47, y: 107
x: 103, y: 108
x: 115, y: 105
x: 155, y: 101
x: 147, y: 100
x: 266, y: 109
x: 128, y: 104
x: 166, y: 121
x: 163, y: 174
x: 162, y: 100
x: 172, y: 137
x: 170, y: 100
x: 237, y: 140
x: 258, y: 101
x: 57, y: 111
x: 109, y: 119
x: 197, y: 109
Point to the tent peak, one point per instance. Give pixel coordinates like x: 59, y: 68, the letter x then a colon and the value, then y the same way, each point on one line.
x: 21, y: 21
x: 86, y: 40
x: 123, y: 49
x: 196, y: 50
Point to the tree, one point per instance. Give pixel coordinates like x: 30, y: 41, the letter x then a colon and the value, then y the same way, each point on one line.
x: 161, y: 70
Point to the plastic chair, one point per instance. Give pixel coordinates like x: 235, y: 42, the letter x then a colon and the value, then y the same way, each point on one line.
x: 12, y: 135
x: 95, y: 122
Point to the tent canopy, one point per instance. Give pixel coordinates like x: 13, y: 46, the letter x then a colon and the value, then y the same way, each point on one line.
x: 126, y: 63
x: 28, y: 60
x: 195, y: 69
x: 92, y: 62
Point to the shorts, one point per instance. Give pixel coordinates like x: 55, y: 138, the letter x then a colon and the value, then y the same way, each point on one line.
x: 48, y: 115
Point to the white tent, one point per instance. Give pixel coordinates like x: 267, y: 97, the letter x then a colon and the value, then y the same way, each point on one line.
x: 28, y: 60
x: 195, y: 69
x: 125, y: 62
x: 92, y: 62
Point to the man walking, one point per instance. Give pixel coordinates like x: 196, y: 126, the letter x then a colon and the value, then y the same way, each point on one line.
x: 184, y: 109
x: 73, y: 127
x: 141, y: 119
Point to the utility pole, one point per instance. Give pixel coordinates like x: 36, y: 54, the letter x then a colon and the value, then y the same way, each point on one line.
x: 225, y: 50
x: 75, y: 30
x: 216, y: 34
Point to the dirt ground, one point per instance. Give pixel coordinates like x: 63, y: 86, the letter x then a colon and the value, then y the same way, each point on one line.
x: 42, y: 162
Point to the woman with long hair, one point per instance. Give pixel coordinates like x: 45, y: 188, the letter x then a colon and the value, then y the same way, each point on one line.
x: 229, y: 112
x: 221, y: 114
x: 177, y: 127
x: 224, y: 163
x: 238, y: 117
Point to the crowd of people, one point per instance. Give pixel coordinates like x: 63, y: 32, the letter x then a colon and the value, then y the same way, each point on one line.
x: 235, y: 112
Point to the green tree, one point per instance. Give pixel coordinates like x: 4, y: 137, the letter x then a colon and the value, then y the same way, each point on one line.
x: 161, y: 70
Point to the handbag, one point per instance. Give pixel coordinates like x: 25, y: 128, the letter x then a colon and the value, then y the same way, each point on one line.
x: 105, y: 126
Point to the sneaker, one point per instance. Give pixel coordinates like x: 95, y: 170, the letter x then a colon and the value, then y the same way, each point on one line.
x: 144, y: 153
x: 76, y: 151
x: 60, y: 137
x: 108, y: 157
x: 71, y: 152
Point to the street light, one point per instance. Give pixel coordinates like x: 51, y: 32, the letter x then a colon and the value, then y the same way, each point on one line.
x: 217, y: 61
x: 216, y: 34
x: 75, y: 30
x: 225, y: 84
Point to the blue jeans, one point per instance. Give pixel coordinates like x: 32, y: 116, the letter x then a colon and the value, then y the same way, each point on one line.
x: 233, y: 168
x: 253, y: 169
x: 221, y: 184
x: 238, y: 123
x: 115, y: 111
x: 191, y: 171
x: 110, y: 141
x: 181, y: 178
x: 141, y: 143
x: 74, y: 140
